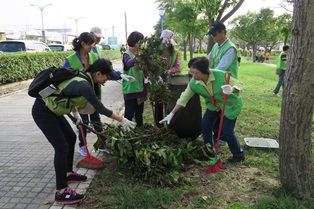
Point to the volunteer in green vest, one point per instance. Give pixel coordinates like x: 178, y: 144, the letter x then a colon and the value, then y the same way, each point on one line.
x: 97, y: 33
x: 134, y: 93
x: 82, y: 59
x: 211, y: 85
x: 223, y: 56
x: 49, y: 113
x: 282, y: 65
x: 172, y: 67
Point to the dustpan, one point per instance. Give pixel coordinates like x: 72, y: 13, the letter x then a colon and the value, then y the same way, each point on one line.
x: 261, y: 142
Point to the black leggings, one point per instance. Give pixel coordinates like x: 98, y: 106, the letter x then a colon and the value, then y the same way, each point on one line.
x: 60, y: 135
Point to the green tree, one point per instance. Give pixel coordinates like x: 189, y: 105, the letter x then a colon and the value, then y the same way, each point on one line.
x: 256, y: 29
x: 215, y: 10
x: 182, y: 19
x: 246, y: 28
x: 284, y: 24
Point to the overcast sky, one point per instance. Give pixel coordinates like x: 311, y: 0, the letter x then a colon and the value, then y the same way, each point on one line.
x: 141, y: 15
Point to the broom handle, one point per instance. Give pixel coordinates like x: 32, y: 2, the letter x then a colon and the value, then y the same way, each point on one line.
x: 86, y: 126
x: 222, y: 114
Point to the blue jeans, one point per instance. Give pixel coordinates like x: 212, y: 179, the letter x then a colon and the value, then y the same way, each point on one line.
x: 208, y: 121
x: 280, y: 82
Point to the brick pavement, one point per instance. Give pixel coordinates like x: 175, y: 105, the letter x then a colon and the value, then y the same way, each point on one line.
x: 26, y: 157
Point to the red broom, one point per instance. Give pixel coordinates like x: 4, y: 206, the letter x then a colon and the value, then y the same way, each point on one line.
x: 216, y: 165
x: 89, y: 162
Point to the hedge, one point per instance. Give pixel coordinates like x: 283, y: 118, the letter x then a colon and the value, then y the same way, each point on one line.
x: 24, y: 66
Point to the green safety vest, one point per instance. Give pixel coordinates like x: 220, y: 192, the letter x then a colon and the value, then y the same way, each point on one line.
x: 214, y: 101
x: 75, y: 63
x: 136, y: 86
x: 214, y: 60
x: 61, y: 105
x: 98, y: 53
x: 280, y: 64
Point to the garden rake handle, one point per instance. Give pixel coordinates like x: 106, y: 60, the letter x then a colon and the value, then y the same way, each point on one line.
x: 86, y: 126
x: 222, y: 114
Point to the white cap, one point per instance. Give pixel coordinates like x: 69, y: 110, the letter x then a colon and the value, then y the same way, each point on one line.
x: 167, y: 36
x: 96, y: 31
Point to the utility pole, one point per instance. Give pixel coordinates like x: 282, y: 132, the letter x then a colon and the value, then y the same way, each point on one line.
x: 126, y: 29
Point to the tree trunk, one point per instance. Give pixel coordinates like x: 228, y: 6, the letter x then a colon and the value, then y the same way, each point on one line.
x: 191, y: 47
x: 184, y: 49
x: 295, y: 157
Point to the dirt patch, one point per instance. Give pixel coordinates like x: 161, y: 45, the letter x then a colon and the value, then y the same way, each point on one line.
x: 14, y: 87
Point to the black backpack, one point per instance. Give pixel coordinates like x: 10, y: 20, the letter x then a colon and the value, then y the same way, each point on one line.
x: 46, y: 81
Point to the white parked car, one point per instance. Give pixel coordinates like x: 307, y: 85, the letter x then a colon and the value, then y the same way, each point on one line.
x: 17, y: 46
x: 60, y: 47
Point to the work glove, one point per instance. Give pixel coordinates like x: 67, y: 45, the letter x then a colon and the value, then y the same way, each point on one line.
x: 167, y: 118
x: 126, y: 124
x: 146, y: 81
x: 77, y: 117
x: 227, y: 89
x: 160, y: 80
x: 127, y: 77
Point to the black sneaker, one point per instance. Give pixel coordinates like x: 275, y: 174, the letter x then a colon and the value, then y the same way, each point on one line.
x: 236, y: 159
x: 68, y: 197
x: 75, y: 177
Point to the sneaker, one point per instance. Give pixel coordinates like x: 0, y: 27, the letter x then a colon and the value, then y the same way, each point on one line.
x: 277, y: 95
x: 105, y: 148
x: 222, y: 143
x: 75, y: 177
x: 82, y: 151
x: 69, y: 196
x: 236, y: 159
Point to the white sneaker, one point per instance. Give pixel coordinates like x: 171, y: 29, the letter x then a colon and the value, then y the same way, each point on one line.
x: 277, y: 95
x: 82, y: 151
x: 105, y: 150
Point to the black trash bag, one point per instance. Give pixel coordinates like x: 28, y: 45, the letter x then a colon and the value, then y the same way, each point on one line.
x: 187, y: 122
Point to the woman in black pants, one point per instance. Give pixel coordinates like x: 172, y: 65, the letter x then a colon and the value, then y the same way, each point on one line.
x: 48, y: 115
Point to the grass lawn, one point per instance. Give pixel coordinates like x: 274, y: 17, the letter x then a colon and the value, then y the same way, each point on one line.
x: 253, y: 184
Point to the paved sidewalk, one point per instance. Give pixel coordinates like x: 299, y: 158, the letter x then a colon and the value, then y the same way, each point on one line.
x: 26, y: 157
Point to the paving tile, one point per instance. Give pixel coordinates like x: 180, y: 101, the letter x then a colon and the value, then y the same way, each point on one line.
x: 26, y: 157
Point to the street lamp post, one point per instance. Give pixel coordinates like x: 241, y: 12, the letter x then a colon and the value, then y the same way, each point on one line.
x: 76, y: 19
x: 162, y: 12
x: 42, y: 19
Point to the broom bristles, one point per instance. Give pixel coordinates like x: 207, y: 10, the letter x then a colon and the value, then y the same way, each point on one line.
x: 90, y: 162
x: 215, y: 165
x: 214, y: 168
